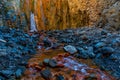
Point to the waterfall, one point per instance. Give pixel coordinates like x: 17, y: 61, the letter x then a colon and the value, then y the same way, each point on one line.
x: 32, y: 23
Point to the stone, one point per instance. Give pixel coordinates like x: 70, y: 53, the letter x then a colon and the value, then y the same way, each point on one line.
x: 107, y: 50
x: 116, y: 42
x: 104, y: 32
x: 7, y: 73
x: 60, y: 77
x: 47, y: 42
x: 3, y: 52
x: 115, y: 56
x: 52, y: 63
x: 91, y: 77
x: 91, y: 52
x: 86, y: 53
x: 70, y: 49
x: 46, y: 74
x: 1, y: 40
x: 82, y: 53
x: 18, y: 73
x: 23, y: 63
x: 1, y: 78
x: 99, y: 45
x: 46, y: 61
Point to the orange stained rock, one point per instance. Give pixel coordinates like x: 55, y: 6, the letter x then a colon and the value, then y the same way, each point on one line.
x: 35, y: 67
x: 61, y: 14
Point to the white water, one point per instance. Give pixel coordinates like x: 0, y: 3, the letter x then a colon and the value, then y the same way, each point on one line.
x: 32, y: 23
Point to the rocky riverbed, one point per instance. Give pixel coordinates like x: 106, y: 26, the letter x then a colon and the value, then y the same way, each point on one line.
x: 98, y: 46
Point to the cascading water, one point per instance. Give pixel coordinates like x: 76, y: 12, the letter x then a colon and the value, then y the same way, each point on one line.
x: 32, y: 23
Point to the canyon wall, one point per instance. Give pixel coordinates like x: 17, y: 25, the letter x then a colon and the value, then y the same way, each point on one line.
x: 53, y: 14
x: 110, y: 17
x: 62, y: 14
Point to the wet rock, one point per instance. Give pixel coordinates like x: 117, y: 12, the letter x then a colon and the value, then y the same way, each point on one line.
x: 60, y: 77
x: 91, y: 77
x: 104, y: 32
x: 99, y: 45
x: 46, y: 74
x: 23, y: 63
x: 1, y: 40
x: 46, y: 61
x: 11, y: 44
x: 84, y: 37
x: 116, y: 42
x: 55, y: 45
x: 18, y: 73
x: 91, y: 52
x: 116, y: 74
x: 47, y: 42
x: 115, y: 56
x: 70, y: 49
x: 86, y: 53
x: 3, y: 52
x: 7, y: 73
x: 82, y: 53
x: 52, y: 63
x: 107, y: 50
x: 1, y: 78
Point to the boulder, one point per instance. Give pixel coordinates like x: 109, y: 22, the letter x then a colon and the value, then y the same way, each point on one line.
x: 70, y: 49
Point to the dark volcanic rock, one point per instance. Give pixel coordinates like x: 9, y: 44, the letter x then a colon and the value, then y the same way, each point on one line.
x: 107, y: 50
x: 16, y: 47
x: 52, y: 63
x: 7, y: 73
x: 101, y: 45
x: 86, y: 53
x: 60, y: 77
x: 46, y: 61
x: 46, y: 74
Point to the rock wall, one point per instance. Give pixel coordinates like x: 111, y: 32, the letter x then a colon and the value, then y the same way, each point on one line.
x: 110, y: 17
x: 62, y: 14
x: 11, y: 14
x: 57, y: 14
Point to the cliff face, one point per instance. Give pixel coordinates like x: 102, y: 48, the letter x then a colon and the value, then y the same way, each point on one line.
x: 110, y: 17
x: 54, y: 14
x: 61, y: 14
x: 11, y: 14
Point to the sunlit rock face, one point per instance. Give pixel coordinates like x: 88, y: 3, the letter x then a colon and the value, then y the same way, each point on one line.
x: 62, y: 14
x: 53, y: 14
